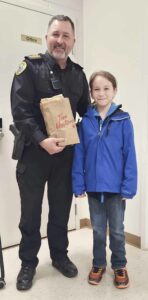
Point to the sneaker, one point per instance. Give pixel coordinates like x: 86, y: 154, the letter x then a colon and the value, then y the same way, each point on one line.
x: 121, y: 279
x: 66, y: 267
x: 95, y: 275
x: 25, y: 278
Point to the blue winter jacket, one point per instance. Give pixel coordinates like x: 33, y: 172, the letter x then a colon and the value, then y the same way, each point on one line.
x: 105, y: 159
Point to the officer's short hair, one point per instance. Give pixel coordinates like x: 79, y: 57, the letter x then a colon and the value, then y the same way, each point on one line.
x: 61, y: 18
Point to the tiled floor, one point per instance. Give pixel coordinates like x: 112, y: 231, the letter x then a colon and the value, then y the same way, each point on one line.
x: 50, y: 284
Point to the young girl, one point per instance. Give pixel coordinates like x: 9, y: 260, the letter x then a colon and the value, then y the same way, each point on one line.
x: 105, y: 167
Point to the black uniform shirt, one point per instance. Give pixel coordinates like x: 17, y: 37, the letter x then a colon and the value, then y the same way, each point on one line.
x: 39, y: 78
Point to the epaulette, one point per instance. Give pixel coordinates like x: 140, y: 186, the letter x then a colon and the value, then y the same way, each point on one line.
x: 34, y: 56
x: 23, y: 64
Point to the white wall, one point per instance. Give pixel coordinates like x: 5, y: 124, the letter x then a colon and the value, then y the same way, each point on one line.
x: 115, y: 39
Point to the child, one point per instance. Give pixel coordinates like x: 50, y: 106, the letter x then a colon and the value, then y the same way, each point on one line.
x: 105, y: 167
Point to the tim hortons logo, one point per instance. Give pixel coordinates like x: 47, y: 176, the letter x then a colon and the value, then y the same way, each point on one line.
x: 62, y: 121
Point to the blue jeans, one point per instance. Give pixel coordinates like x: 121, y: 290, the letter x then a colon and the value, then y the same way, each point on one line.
x: 110, y: 212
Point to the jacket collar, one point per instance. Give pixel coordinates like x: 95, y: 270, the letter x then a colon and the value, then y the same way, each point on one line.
x: 114, y: 112
x: 114, y: 107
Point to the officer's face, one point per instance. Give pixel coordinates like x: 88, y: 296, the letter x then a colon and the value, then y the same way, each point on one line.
x: 60, y: 40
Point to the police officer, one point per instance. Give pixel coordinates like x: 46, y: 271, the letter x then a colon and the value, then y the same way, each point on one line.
x: 43, y: 159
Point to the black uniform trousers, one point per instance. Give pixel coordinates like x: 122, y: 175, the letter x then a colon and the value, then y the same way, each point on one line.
x: 33, y: 171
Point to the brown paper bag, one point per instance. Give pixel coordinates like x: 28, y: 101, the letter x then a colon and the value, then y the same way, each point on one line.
x: 59, y: 120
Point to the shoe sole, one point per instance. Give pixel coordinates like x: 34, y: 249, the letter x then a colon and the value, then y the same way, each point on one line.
x: 24, y: 288
x: 93, y: 282
x: 122, y: 286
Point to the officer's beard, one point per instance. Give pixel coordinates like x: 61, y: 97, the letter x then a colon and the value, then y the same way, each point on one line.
x: 61, y: 58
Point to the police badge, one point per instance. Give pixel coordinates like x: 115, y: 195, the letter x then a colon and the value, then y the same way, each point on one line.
x: 21, y: 68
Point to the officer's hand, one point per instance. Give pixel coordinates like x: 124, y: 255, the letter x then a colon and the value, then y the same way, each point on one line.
x: 52, y: 145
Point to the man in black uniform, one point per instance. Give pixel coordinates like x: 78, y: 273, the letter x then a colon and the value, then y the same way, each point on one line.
x: 43, y: 159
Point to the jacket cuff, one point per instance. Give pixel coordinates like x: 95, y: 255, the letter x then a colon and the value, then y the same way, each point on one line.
x: 38, y: 137
x: 125, y: 196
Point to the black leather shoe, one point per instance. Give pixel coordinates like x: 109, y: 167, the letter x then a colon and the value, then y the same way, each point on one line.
x: 66, y: 267
x: 25, y: 277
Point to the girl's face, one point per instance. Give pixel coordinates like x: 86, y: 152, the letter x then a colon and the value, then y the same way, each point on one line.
x: 102, y: 92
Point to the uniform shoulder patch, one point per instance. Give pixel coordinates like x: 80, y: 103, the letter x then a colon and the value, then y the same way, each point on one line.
x: 34, y: 56
x: 22, y: 66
